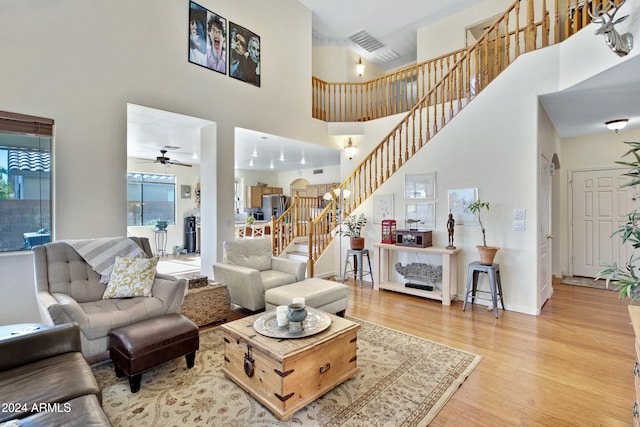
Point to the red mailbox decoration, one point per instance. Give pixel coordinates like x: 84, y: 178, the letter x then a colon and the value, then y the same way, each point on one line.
x: 389, y: 231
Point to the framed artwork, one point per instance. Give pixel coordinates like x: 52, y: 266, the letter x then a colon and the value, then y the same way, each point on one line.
x: 459, y: 200
x: 185, y: 191
x: 382, y: 207
x: 244, y: 54
x: 420, y: 186
x: 207, y: 38
x: 423, y: 211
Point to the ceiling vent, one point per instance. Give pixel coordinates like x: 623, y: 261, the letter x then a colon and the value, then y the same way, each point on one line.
x: 365, y: 40
x: 317, y: 171
x: 387, y: 56
x: 171, y: 147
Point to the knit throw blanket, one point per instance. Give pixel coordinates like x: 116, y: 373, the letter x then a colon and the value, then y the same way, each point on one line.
x: 101, y: 253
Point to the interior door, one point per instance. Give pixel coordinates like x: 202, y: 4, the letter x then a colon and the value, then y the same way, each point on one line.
x: 599, y: 207
x: 545, y: 289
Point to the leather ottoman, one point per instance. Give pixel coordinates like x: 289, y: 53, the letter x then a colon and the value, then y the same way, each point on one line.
x: 325, y: 295
x: 140, y: 346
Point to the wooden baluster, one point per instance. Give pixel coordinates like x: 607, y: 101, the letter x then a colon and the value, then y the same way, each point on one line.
x: 421, y: 140
x: 530, y: 32
x: 517, y: 52
x: 545, y: 24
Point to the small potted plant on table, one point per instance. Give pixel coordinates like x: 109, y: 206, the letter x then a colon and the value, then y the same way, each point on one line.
x: 351, y: 227
x: 487, y: 253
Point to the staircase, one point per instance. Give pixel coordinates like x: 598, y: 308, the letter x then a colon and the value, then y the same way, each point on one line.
x: 431, y: 94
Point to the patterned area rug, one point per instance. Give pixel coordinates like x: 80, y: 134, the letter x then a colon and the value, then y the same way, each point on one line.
x: 403, y: 380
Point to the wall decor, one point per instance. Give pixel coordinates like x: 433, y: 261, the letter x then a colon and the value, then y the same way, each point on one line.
x: 423, y: 211
x: 207, y: 38
x: 420, y: 186
x: 244, y: 54
x: 459, y: 200
x: 185, y: 191
x: 382, y: 207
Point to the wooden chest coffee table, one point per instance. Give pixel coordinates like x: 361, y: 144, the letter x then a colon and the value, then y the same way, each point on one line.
x: 286, y: 374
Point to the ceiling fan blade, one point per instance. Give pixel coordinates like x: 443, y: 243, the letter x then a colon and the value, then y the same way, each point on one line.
x: 178, y: 163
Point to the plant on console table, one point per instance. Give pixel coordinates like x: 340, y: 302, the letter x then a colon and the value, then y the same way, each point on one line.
x: 351, y: 227
x: 487, y: 253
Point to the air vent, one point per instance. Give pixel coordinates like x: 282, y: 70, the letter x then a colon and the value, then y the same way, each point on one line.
x: 387, y: 56
x: 171, y: 147
x: 365, y: 40
x: 317, y: 171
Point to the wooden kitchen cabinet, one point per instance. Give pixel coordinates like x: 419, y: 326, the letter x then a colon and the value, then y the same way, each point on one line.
x: 253, y: 195
x: 319, y: 190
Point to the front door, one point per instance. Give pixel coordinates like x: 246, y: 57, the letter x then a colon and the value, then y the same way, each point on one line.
x: 599, y: 207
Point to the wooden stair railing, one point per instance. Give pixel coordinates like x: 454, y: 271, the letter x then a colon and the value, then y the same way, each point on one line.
x: 477, y: 66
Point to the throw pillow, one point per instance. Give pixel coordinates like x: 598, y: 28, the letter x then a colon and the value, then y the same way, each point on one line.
x: 131, y: 277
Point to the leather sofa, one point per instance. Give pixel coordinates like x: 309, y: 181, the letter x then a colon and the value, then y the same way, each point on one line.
x: 249, y: 270
x: 45, y: 380
x: 69, y: 290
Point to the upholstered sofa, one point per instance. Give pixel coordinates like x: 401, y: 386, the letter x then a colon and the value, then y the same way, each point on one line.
x: 69, y: 290
x: 249, y: 270
x: 45, y: 380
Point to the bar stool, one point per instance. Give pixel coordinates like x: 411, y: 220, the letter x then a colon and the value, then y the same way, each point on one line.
x: 495, y: 285
x: 358, y: 267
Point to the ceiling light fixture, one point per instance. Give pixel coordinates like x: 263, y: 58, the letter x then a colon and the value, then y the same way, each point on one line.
x: 255, y: 152
x: 251, y: 162
x: 616, y: 124
x: 303, y: 161
x: 360, y: 67
x: 281, y: 156
x: 350, y: 149
x: 271, y: 165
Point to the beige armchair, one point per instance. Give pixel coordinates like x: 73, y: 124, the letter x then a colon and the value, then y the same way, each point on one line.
x: 69, y: 290
x: 249, y: 269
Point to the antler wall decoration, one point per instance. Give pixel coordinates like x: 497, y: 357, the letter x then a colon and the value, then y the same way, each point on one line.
x: 621, y: 44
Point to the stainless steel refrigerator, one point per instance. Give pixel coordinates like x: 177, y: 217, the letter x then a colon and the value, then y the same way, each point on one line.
x: 273, y: 204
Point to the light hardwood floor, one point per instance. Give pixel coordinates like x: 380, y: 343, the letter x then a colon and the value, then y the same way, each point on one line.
x: 570, y: 366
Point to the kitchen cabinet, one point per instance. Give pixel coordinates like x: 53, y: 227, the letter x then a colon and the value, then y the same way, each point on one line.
x: 319, y: 190
x: 253, y: 195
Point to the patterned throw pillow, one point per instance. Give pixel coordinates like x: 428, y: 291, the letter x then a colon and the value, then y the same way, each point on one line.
x: 131, y: 277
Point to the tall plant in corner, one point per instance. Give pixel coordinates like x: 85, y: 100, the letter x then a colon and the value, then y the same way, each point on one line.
x: 626, y: 277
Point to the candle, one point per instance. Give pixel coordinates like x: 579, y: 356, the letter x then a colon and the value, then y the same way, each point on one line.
x: 297, y: 300
x: 282, y: 309
x: 282, y: 320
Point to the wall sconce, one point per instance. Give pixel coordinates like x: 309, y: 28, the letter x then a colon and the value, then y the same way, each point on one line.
x: 360, y: 67
x: 616, y: 124
x: 350, y: 149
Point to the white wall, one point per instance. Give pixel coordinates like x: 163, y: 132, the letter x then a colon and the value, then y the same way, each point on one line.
x: 338, y: 64
x: 118, y: 52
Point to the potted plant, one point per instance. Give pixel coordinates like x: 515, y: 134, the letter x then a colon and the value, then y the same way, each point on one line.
x: 627, y: 277
x: 351, y: 227
x: 160, y: 225
x: 487, y: 253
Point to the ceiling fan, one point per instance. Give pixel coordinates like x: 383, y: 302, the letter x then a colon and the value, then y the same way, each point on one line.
x: 166, y: 161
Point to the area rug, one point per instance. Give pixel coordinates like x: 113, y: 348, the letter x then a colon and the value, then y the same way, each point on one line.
x: 403, y: 381
x: 587, y: 282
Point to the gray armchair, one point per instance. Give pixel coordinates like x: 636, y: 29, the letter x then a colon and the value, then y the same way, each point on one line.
x: 68, y: 290
x: 249, y: 270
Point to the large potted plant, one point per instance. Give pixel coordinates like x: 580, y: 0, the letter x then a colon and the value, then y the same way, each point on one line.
x: 627, y: 277
x: 351, y: 227
x: 487, y: 253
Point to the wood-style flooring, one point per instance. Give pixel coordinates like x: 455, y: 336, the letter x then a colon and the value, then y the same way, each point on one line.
x: 570, y: 366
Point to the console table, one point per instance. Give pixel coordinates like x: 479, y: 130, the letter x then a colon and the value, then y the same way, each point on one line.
x: 449, y: 271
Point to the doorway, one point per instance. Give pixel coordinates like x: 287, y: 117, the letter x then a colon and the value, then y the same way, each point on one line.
x: 598, y: 207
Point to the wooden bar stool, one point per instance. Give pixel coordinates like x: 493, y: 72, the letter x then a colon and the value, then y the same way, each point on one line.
x: 358, y: 266
x: 495, y: 285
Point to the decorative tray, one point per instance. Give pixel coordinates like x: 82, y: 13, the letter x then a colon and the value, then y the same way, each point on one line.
x: 315, y: 322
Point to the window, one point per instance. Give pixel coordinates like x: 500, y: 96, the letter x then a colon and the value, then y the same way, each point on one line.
x: 150, y: 197
x: 25, y: 181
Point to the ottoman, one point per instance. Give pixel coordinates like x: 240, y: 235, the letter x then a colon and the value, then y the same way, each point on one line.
x: 140, y: 346
x: 322, y: 294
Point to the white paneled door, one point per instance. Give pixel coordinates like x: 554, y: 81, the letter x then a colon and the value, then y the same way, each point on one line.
x: 599, y: 207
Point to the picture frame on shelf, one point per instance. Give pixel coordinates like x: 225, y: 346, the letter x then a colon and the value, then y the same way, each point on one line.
x: 382, y: 207
x: 420, y: 186
x: 459, y: 201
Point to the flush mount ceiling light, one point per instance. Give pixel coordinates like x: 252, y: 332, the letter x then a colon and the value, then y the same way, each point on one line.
x: 350, y: 149
x: 616, y: 124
